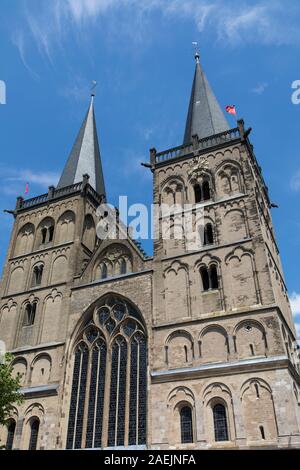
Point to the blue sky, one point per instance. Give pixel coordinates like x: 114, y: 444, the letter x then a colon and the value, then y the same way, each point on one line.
x: 140, y: 52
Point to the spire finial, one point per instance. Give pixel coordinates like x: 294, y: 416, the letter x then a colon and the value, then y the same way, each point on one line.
x: 93, y: 88
x: 197, y: 54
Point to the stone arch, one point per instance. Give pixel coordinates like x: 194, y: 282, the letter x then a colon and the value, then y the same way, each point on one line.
x: 213, y: 344
x: 16, y: 280
x: 112, y: 327
x: 258, y: 411
x: 250, y: 339
x: 34, y: 413
x: 59, y: 269
x: 229, y: 178
x: 234, y: 226
x: 51, y: 317
x: 178, y: 398
x: 218, y: 393
x: 45, y: 232
x: 41, y: 369
x: 20, y: 367
x: 8, y: 318
x: 65, y: 227
x: 36, y: 274
x: 176, y: 279
x: 173, y: 191
x: 89, y: 232
x: 179, y: 349
x: 243, y: 280
x: 25, y: 237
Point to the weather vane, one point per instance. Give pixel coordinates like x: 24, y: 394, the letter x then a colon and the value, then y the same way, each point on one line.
x: 93, y: 88
x: 196, y: 50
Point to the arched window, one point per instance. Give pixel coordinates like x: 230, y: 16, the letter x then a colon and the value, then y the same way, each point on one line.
x: 45, y: 232
x: 210, y: 280
x: 186, y: 425
x: 11, y: 428
x: 220, y: 423
x: 205, y: 278
x: 37, y: 275
x: 208, y: 235
x: 206, y: 191
x: 198, y: 193
x: 103, y: 271
x: 123, y: 267
x: 110, y: 360
x: 34, y: 433
x: 213, y: 277
x: 30, y: 311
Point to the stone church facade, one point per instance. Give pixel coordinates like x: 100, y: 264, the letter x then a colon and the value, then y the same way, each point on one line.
x: 188, y: 349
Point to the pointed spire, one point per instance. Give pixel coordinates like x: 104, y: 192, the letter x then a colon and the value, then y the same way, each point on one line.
x: 85, y: 155
x: 205, y: 116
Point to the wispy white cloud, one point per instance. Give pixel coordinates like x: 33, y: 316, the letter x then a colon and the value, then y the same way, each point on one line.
x: 19, y: 41
x: 14, y: 181
x: 232, y: 22
x: 295, y: 304
x: 295, y: 181
x: 260, y: 88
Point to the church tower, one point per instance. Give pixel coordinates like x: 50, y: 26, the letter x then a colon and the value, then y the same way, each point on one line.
x: 226, y: 357
x: 52, y: 240
x: 193, y: 348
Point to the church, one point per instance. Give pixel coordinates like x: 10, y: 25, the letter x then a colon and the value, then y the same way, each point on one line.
x: 186, y: 349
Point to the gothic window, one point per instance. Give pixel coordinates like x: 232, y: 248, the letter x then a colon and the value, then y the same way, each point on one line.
x: 46, y: 232
x: 206, y: 191
x: 205, y: 278
x: 44, y: 235
x: 109, y: 379
x: 202, y: 192
x: 37, y: 275
x: 11, y: 427
x: 220, y: 423
x: 213, y: 277
x: 51, y: 232
x: 123, y: 267
x: 198, y: 193
x: 186, y: 425
x: 210, y: 280
x: 30, y: 311
x: 208, y: 235
x: 34, y: 433
x: 104, y: 271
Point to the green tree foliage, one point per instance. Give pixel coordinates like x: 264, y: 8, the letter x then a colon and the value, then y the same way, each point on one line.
x: 9, y: 389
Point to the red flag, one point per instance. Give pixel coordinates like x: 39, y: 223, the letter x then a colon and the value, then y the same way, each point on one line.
x: 27, y: 188
x: 231, y: 109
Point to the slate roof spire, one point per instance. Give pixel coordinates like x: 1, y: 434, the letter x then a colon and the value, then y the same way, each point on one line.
x: 85, y: 156
x: 205, y: 116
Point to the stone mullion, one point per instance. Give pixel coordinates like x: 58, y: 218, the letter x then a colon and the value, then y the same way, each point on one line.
x: 118, y: 393
x: 106, y: 400
x: 77, y: 397
x: 86, y: 400
x: 96, y: 397
x: 127, y: 392
x: 137, y: 392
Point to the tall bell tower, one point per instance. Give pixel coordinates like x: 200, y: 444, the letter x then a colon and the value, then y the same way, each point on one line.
x: 52, y: 240
x: 221, y: 318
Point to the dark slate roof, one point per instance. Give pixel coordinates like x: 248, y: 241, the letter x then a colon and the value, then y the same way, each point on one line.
x: 205, y: 116
x: 85, y: 156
